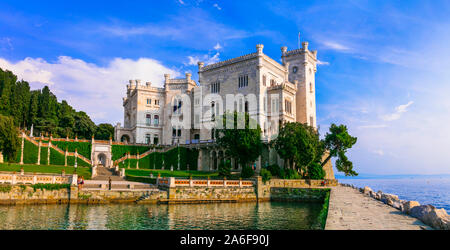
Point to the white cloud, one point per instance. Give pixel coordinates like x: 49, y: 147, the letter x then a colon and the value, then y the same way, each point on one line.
x: 181, y: 2
x: 207, y: 59
x: 378, y: 152
x: 335, y: 46
x: 322, y: 63
x: 217, y: 6
x: 97, y: 90
x: 372, y: 126
x: 218, y: 46
x: 398, y: 112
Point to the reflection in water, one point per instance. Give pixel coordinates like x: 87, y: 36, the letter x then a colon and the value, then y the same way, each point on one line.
x: 267, y: 215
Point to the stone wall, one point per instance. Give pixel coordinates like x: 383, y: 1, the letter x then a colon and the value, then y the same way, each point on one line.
x: 106, y: 196
x: 212, y: 193
x: 298, y: 194
x: 22, y: 194
x: 264, y: 189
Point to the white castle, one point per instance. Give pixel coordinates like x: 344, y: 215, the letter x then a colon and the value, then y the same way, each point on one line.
x: 272, y: 93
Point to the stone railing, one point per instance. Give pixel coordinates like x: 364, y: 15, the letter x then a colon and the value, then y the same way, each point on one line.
x: 23, y: 178
x: 172, y: 182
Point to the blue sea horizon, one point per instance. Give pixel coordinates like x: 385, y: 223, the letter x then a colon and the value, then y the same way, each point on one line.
x: 426, y: 189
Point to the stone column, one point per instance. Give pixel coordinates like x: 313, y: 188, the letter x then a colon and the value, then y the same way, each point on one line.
x: 65, y: 158
x: 137, y: 160
x: 39, y: 153
x: 48, y: 151
x: 21, y: 151
x: 199, y: 159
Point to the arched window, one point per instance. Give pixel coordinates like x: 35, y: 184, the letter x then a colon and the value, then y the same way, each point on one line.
x: 156, y: 120
x: 246, y: 106
x: 148, y: 119
x: 213, y: 111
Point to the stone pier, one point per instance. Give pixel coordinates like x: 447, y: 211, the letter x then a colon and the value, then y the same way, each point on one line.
x: 351, y: 210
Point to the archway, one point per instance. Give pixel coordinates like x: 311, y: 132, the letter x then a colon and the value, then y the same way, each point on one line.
x: 125, y: 139
x: 101, y: 159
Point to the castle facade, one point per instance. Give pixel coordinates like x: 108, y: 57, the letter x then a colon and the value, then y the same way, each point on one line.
x: 184, y: 111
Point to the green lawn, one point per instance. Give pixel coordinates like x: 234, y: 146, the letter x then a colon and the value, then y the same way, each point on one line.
x: 48, y: 169
x: 168, y: 173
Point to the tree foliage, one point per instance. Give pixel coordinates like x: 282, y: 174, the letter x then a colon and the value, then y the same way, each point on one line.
x: 225, y: 168
x: 243, y: 144
x: 9, y: 139
x: 41, y: 109
x: 337, y: 142
x: 299, y: 145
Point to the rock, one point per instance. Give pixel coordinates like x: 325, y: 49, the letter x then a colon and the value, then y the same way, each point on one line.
x: 408, y: 205
x: 367, y: 190
x: 419, y: 212
x: 428, y: 214
x: 398, y: 205
x: 389, y: 199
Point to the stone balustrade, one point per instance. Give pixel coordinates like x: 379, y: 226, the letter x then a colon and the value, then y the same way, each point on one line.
x: 23, y: 178
x: 173, y: 182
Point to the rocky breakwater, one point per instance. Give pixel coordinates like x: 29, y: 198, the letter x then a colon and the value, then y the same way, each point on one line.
x: 428, y: 214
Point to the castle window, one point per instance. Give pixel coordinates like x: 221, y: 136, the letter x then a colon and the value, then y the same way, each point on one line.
x: 288, y: 106
x: 264, y: 80
x: 179, y: 132
x: 156, y: 120
x: 147, y: 139
x: 155, y: 139
x: 213, y: 112
x: 295, y: 69
x: 272, y: 82
x: 215, y: 87
x: 246, y: 107
x: 148, y: 119
x: 174, y: 132
x: 310, y: 87
x: 243, y: 81
x: 157, y: 102
x: 149, y: 101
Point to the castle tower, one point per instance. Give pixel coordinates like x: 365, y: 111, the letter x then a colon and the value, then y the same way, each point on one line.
x: 302, y: 65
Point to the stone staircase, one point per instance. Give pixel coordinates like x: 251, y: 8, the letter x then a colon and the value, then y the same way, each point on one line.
x: 105, y: 173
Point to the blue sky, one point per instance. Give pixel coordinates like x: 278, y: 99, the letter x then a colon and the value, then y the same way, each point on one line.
x: 384, y: 64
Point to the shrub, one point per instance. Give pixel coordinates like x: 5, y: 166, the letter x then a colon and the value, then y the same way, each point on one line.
x: 265, y: 174
x: 83, y: 148
x: 225, y: 168
x: 247, y: 172
x: 42, y: 186
x: 275, y: 170
x: 316, y: 172
x: 291, y: 174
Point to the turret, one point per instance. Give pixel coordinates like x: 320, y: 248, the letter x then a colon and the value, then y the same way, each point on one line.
x: 259, y: 49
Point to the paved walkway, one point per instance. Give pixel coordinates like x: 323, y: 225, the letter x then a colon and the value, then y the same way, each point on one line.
x: 351, y: 210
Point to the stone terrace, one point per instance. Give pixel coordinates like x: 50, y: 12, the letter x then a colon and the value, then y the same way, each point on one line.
x: 349, y: 209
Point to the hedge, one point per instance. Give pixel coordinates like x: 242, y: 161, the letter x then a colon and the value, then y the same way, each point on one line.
x: 154, y: 160
x: 44, y: 153
x: 83, y: 148
x: 141, y: 179
x: 30, y: 153
x: 56, y: 158
x: 119, y: 151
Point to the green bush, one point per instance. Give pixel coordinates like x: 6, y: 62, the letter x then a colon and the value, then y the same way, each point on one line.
x: 275, y: 170
x: 290, y: 174
x: 322, y: 218
x: 265, y: 174
x: 316, y: 172
x: 42, y: 186
x: 247, y: 172
x: 225, y: 168
x: 5, y: 188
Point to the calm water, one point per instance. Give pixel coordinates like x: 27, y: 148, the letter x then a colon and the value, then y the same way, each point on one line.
x: 267, y: 215
x: 434, y: 191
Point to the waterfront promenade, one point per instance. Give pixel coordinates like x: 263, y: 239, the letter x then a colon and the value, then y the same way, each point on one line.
x: 351, y: 210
